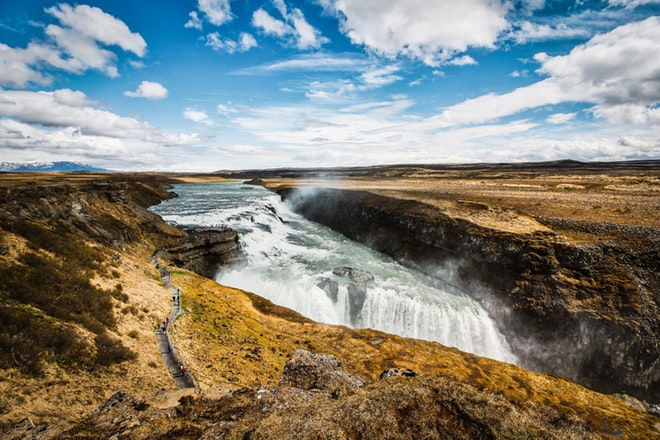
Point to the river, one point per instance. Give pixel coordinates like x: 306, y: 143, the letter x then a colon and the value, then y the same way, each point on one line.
x: 289, y: 257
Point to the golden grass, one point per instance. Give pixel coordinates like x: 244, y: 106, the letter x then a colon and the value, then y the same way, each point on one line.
x: 226, y: 341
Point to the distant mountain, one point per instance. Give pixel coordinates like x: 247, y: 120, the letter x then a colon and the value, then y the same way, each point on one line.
x: 47, y: 167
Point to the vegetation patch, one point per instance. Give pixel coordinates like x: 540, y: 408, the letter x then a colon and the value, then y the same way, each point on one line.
x: 28, y: 339
x: 54, y: 276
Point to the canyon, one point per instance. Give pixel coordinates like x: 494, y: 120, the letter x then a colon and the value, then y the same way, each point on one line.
x: 563, y: 258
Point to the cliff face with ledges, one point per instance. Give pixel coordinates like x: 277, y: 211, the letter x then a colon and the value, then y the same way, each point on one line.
x: 587, y: 311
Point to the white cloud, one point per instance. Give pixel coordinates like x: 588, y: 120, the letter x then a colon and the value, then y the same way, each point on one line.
x: 194, y: 22
x: 617, y: 71
x: 632, y: 3
x: 619, y: 67
x: 560, y: 118
x: 66, y: 123
x: 148, y: 90
x: 73, y: 47
x: 99, y: 26
x: 528, y: 31
x: 66, y: 108
x: 197, y: 116
x: 380, y: 77
x: 293, y: 26
x: 245, y: 42
x: 84, y: 51
x: 263, y: 20
x: 465, y: 60
x: 319, y: 62
x: 16, y: 66
x: 432, y: 32
x: 216, y: 12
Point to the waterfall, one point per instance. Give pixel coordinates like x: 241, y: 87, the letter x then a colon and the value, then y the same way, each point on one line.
x: 311, y: 269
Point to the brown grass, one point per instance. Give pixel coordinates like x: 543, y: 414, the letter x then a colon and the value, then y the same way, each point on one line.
x: 227, y: 341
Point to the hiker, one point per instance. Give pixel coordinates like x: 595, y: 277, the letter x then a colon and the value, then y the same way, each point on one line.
x: 183, y: 370
x: 169, y: 348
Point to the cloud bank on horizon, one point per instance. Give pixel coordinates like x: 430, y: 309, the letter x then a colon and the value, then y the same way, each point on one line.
x: 220, y: 84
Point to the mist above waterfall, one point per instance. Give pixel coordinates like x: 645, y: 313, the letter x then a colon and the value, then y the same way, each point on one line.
x: 291, y: 260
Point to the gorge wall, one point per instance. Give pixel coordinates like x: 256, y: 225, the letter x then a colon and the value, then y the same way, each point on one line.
x: 586, y: 311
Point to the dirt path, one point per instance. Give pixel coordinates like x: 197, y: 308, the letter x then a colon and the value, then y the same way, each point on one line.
x: 174, y: 365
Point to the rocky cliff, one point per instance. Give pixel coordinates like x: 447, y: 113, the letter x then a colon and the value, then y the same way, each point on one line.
x: 584, y: 310
x: 205, y: 250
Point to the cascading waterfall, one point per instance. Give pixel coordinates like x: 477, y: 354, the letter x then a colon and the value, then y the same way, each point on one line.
x: 321, y: 274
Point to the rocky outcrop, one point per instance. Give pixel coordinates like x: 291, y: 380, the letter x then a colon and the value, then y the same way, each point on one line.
x: 303, y: 407
x: 205, y: 250
x: 311, y: 371
x: 585, y: 311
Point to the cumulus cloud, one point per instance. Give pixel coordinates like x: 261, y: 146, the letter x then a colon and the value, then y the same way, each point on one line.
x: 619, y: 67
x: 73, y: 46
x: 99, y: 26
x: 197, y: 116
x: 292, y: 26
x: 16, y: 65
x: 148, y: 90
x: 68, y: 108
x: 216, y: 12
x: 432, y: 32
x: 66, y: 123
x: 618, y: 72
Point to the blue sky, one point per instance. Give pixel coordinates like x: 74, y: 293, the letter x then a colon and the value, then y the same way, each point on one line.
x: 185, y: 85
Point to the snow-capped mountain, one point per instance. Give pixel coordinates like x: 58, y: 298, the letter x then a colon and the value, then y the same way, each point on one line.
x: 47, y: 166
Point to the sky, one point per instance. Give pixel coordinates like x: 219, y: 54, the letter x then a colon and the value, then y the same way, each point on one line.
x: 206, y: 85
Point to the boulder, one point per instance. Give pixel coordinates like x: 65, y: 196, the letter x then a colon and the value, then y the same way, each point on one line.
x: 397, y: 372
x: 356, y: 275
x: 312, y: 371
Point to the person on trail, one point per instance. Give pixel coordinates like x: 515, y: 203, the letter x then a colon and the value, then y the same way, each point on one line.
x: 169, y: 348
x: 183, y: 370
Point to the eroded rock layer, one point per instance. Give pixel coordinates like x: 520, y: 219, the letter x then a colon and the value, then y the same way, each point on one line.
x: 587, y: 311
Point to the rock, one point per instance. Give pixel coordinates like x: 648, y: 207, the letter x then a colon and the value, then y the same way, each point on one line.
x: 654, y: 410
x: 357, y: 290
x: 118, y: 414
x: 4, y: 250
x: 205, y: 250
x: 355, y: 275
x: 357, y: 295
x: 398, y: 372
x: 330, y: 287
x: 311, y: 371
x: 630, y: 400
